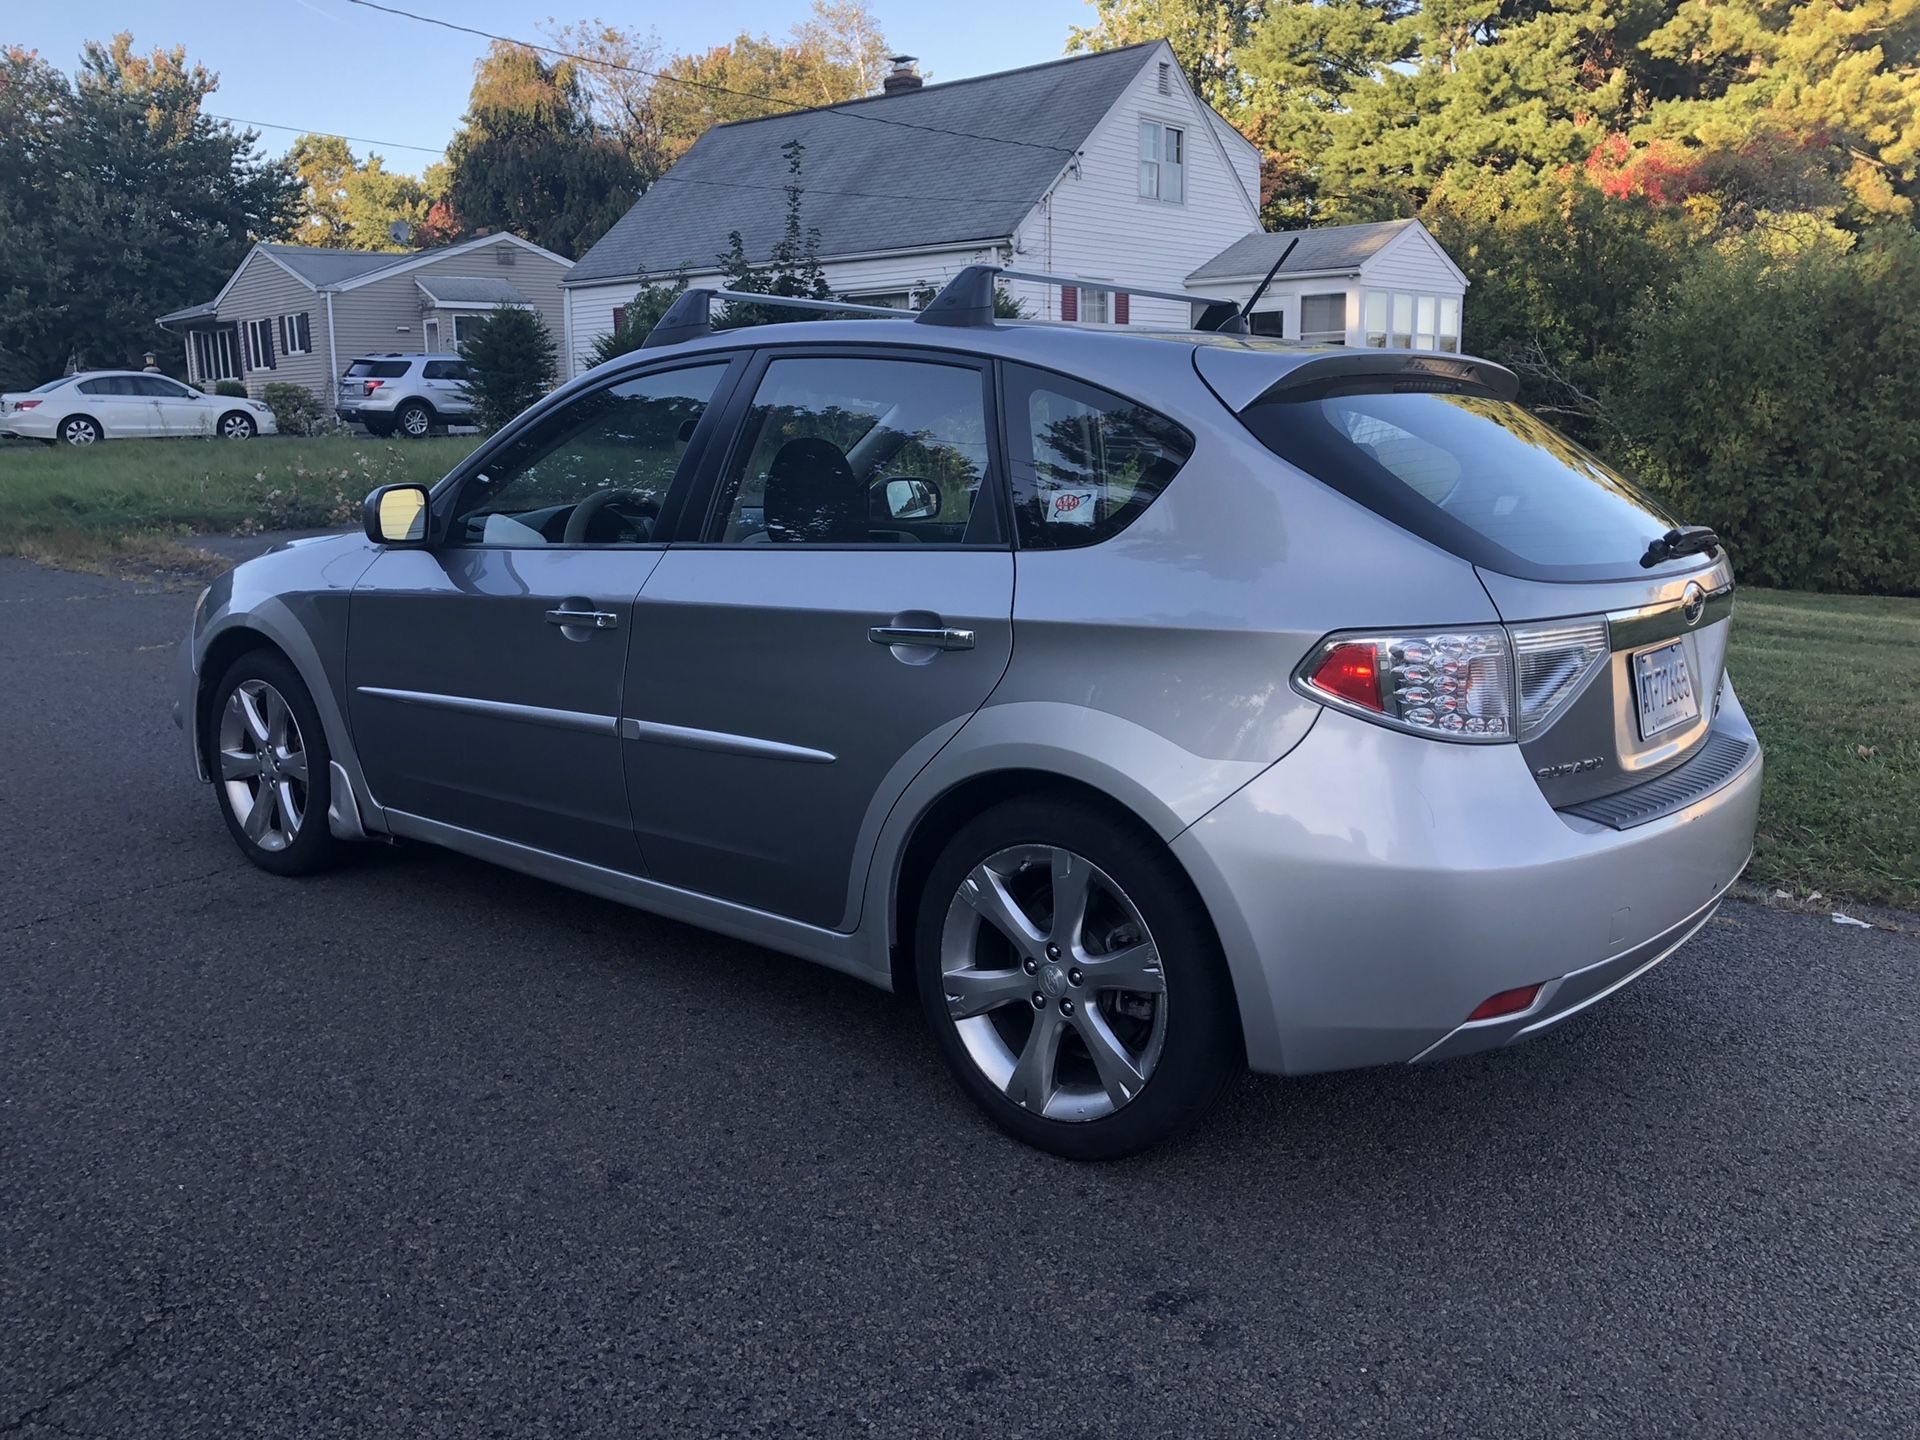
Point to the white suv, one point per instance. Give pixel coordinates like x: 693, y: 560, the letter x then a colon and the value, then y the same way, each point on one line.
x: 407, y: 394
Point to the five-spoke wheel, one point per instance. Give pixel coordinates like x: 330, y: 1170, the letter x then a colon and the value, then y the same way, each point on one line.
x: 1073, y: 979
x: 269, y: 758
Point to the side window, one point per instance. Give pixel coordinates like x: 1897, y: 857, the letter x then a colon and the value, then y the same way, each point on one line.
x: 445, y: 370
x: 853, y: 450
x: 1085, y: 463
x: 593, y: 472
x: 156, y: 388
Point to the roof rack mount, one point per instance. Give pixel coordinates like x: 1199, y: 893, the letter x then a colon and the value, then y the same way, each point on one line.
x: 965, y: 300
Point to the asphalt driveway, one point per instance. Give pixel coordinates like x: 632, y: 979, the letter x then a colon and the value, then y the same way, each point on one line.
x: 426, y: 1148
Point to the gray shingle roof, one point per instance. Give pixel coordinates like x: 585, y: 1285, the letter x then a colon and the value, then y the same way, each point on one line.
x: 463, y: 290
x: 1334, y: 247
x: 905, y: 182
x: 331, y: 267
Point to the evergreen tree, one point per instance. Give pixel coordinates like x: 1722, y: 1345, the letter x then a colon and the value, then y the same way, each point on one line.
x: 510, y: 356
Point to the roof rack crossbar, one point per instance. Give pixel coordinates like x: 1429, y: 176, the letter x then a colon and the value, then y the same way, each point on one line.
x: 968, y: 298
x: 691, y: 315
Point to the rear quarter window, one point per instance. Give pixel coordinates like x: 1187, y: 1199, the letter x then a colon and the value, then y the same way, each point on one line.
x: 1085, y: 463
x: 1473, y: 473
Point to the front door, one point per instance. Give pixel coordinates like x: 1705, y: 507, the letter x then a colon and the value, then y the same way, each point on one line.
x: 484, y: 673
x: 180, y: 411
x: 842, y: 611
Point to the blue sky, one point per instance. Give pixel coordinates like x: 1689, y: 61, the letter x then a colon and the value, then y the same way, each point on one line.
x: 330, y: 65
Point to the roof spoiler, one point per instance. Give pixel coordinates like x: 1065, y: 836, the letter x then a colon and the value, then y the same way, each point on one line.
x: 1240, y: 376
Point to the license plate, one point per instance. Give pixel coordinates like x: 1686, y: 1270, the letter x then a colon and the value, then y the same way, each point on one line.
x: 1663, y: 685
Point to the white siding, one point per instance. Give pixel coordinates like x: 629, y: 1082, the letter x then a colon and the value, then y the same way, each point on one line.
x: 1096, y: 223
x: 1412, y: 260
x: 262, y: 289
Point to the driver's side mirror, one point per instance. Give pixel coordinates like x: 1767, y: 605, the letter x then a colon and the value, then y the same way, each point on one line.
x: 910, y: 498
x: 396, y: 515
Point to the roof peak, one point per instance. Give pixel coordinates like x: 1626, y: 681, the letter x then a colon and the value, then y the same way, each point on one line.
x: 935, y: 87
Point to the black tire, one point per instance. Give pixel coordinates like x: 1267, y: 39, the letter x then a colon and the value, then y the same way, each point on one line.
x: 236, y: 425
x: 81, y: 430
x: 1202, y: 1050
x: 312, y: 846
x: 414, y: 420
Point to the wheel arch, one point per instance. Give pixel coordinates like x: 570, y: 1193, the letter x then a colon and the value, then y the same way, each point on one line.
x: 225, y: 648
x: 938, y: 821
x: 226, y: 415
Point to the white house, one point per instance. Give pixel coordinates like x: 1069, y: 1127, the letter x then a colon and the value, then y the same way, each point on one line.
x: 1104, y: 166
x: 1388, y: 284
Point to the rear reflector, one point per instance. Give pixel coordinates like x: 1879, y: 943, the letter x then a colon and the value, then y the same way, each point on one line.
x: 1351, y: 671
x: 1507, y: 1002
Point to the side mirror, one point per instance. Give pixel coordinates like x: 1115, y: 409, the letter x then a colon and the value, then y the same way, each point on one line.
x: 396, y: 515
x: 910, y: 498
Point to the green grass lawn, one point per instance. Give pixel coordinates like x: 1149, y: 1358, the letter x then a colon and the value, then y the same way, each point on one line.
x: 1832, y: 683
x: 67, y: 498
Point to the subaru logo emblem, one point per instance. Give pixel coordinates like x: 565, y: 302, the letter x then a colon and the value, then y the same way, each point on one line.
x: 1693, y: 603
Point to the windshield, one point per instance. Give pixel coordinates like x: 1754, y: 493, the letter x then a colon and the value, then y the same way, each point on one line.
x: 1479, y: 476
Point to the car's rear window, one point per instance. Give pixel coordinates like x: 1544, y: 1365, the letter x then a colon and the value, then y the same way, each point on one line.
x: 376, y: 369
x: 1477, y: 475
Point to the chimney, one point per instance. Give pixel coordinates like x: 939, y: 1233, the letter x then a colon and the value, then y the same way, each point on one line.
x: 903, y: 77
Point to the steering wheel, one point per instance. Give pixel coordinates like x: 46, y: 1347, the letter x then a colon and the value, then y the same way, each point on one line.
x: 582, y: 518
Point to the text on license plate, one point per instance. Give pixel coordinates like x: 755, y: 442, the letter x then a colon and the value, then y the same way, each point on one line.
x: 1664, y: 687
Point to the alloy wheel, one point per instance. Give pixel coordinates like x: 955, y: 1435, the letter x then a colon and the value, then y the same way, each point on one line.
x: 416, y: 423
x: 263, y: 765
x: 1053, y: 983
x: 79, y: 431
x: 236, y: 427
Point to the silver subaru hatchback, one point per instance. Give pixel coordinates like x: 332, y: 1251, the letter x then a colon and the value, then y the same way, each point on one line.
x: 1148, y: 705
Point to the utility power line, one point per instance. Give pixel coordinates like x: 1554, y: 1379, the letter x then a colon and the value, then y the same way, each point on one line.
x: 329, y: 134
x: 788, y: 109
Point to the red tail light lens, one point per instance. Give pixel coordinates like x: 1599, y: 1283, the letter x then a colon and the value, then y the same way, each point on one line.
x: 25, y: 404
x: 1507, y: 1002
x: 373, y: 385
x: 1351, y: 672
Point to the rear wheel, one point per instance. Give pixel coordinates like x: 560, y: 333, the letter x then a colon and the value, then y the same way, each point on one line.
x: 269, y: 759
x: 1073, y: 980
x: 414, y: 420
x: 80, y: 430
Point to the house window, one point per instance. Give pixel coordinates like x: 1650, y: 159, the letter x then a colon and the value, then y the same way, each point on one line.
x: 1409, y: 321
x: 213, y: 355
x: 296, y: 334
x: 464, y: 327
x: 892, y: 299
x: 1163, y: 162
x: 1096, y: 307
x: 260, y: 344
x: 1268, y: 322
x: 1323, y: 319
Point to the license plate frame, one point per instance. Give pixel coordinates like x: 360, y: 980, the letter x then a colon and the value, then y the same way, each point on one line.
x: 1663, y: 693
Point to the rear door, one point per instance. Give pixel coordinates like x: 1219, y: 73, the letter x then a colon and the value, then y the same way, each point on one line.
x: 445, y: 382
x: 485, y: 672
x: 840, y: 609
x: 123, y: 409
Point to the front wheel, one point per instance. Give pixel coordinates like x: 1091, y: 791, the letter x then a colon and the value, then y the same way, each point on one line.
x: 1073, y: 980
x: 269, y: 759
x: 236, y: 426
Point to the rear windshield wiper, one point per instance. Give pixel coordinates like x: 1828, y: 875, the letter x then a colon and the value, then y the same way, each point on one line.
x: 1686, y: 540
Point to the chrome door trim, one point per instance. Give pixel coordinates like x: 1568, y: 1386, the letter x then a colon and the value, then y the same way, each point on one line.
x: 585, y: 619
x: 926, y: 637
x: 500, y: 709
x: 721, y: 741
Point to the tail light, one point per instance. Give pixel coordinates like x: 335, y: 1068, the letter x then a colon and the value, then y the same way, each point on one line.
x: 25, y: 404
x: 1482, y: 684
x: 373, y: 385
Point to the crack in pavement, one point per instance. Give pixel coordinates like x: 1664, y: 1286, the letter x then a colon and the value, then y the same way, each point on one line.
x: 121, y: 1354
x: 105, y: 901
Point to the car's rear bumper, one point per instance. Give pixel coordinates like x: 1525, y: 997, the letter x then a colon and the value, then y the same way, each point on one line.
x: 25, y: 425
x: 1373, y: 888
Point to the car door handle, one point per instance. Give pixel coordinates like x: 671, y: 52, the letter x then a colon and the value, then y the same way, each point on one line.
x: 933, y: 637
x: 587, y: 619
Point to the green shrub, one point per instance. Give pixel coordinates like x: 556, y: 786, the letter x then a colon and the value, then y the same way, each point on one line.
x: 295, y: 411
x: 1774, y: 397
x: 511, y: 359
x: 230, y: 387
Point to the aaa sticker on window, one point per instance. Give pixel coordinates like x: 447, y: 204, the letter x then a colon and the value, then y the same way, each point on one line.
x: 1071, y: 507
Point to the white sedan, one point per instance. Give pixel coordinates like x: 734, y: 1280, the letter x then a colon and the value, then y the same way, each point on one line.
x: 124, y: 404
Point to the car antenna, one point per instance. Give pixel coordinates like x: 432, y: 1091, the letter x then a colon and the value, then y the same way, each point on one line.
x: 1261, y: 289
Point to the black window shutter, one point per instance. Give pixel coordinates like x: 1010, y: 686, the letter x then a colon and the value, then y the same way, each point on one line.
x: 306, y: 332
x: 266, y: 339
